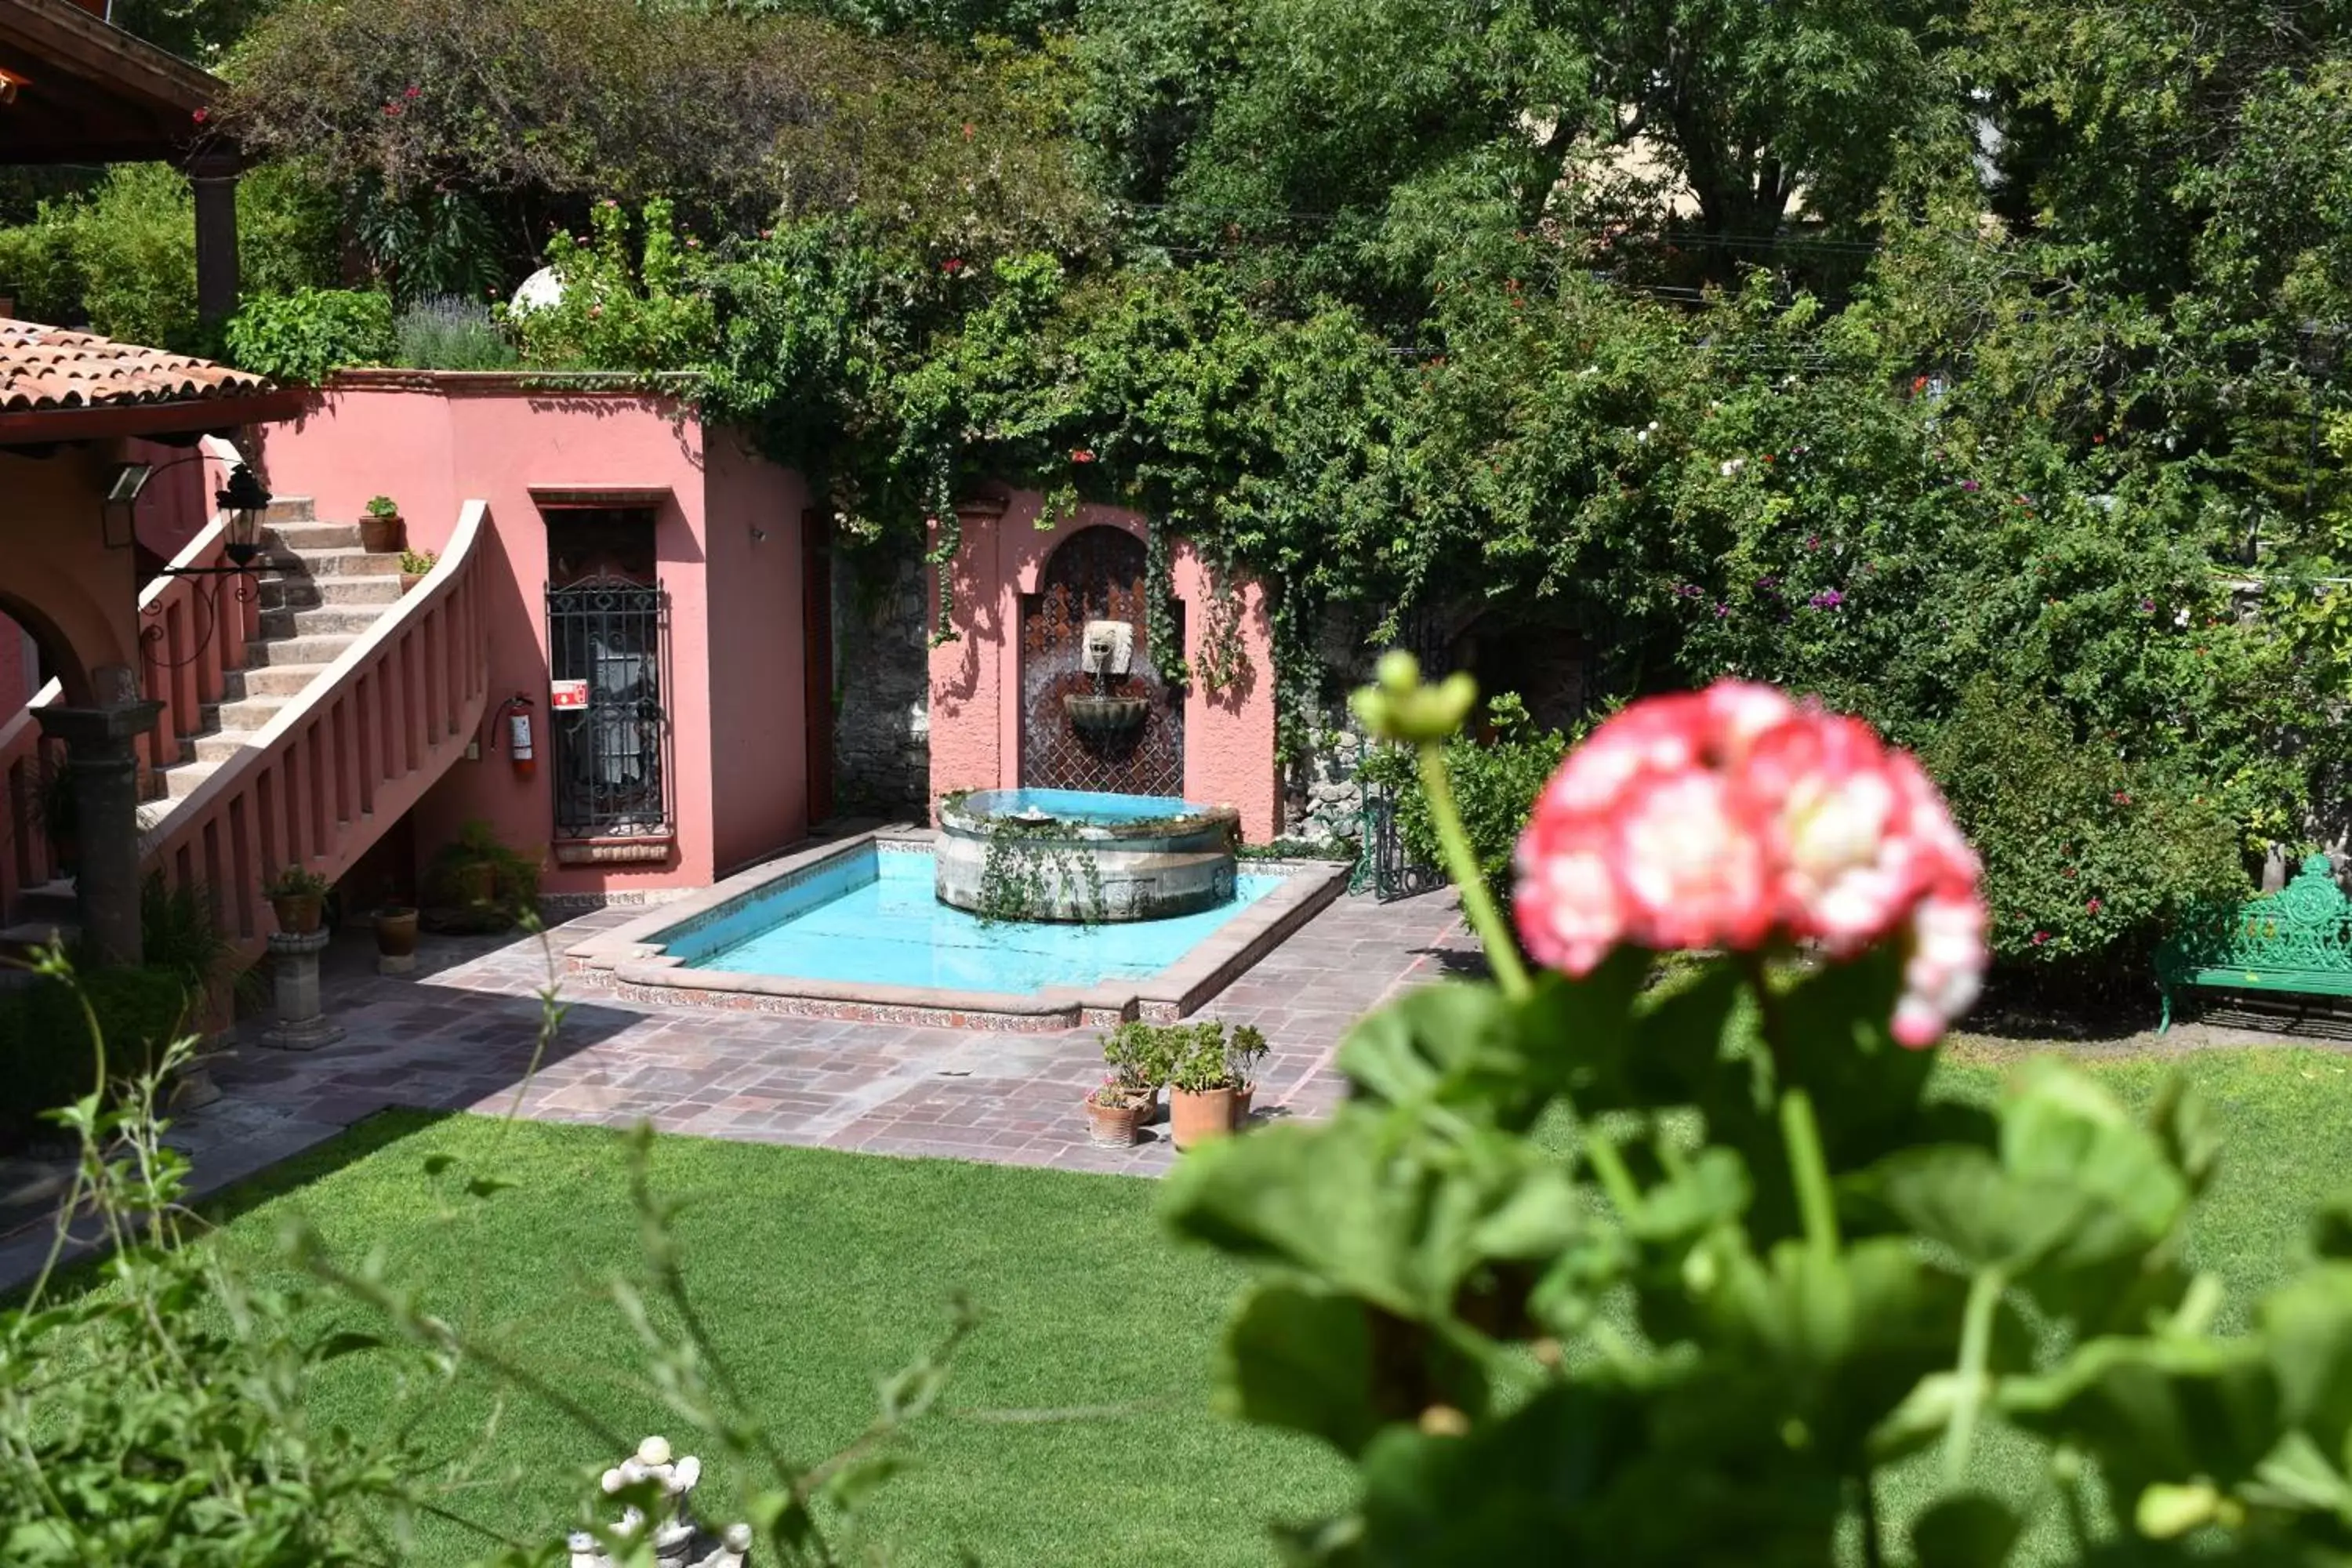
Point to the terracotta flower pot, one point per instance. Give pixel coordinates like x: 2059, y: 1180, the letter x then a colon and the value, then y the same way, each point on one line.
x: 382, y: 535
x: 1195, y: 1116
x: 1242, y: 1096
x: 409, y: 580
x: 298, y: 915
x: 1110, y: 1126
x: 395, y: 931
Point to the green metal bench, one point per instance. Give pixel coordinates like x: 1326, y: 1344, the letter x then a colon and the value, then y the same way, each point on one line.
x: 2298, y: 939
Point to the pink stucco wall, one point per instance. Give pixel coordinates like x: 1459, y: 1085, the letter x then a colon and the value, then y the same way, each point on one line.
x: 976, y: 736
x: 177, y: 503
x: 434, y: 441
x: 758, y: 698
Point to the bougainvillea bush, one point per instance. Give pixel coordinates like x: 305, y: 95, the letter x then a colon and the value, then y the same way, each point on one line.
x: 1772, y: 1266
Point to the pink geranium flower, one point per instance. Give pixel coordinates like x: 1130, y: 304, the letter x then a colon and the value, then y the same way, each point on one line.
x: 1733, y: 819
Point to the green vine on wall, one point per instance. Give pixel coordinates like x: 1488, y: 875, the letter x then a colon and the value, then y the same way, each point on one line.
x: 1224, y: 655
x: 1030, y: 869
x: 1160, y: 589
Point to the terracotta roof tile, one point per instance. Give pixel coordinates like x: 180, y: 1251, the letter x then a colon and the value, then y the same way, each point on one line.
x: 58, y: 368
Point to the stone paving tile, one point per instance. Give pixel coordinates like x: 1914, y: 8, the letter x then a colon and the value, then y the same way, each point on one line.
x: 460, y: 1034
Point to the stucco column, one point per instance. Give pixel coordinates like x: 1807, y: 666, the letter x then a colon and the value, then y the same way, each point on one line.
x: 217, y: 281
x: 104, y: 771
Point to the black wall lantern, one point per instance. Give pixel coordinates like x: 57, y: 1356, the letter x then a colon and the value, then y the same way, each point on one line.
x: 243, y: 500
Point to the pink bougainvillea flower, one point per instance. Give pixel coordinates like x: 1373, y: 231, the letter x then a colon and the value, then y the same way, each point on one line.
x: 2040, y: 937
x: 1082, y: 453
x: 201, y: 115
x: 411, y: 93
x: 953, y: 264
x: 1732, y: 818
x: 2093, y: 906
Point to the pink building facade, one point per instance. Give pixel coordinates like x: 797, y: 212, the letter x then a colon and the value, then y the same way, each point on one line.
x: 1016, y: 592
x: 595, y: 496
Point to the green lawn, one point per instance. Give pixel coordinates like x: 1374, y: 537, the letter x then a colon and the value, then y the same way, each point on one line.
x: 819, y: 1271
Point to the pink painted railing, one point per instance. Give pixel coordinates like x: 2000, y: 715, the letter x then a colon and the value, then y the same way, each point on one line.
x: 192, y: 632
x: 330, y: 772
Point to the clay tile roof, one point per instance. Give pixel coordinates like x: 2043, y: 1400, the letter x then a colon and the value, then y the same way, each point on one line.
x: 45, y: 368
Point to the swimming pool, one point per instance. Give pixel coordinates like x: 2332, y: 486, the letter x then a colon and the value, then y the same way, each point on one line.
x: 854, y: 929
x: 877, y: 920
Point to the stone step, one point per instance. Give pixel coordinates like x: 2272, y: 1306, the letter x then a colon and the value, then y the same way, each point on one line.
x: 280, y: 680
x: 46, y: 903
x: 310, y: 593
x: 217, y: 747
x: 182, y: 780
x: 338, y: 562
x: 25, y: 937
x: 303, y: 537
x: 320, y: 649
x: 326, y: 620
x: 247, y: 714
x: 291, y: 508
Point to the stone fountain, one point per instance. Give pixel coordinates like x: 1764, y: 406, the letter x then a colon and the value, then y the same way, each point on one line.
x: 1106, y: 652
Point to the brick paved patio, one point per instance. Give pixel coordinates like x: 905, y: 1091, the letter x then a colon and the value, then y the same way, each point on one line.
x: 459, y: 1035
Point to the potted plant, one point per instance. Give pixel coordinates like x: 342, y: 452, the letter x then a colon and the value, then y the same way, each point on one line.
x: 297, y: 896
x: 413, y: 565
x: 1244, y: 1057
x: 1111, y: 1115
x: 477, y: 885
x: 395, y: 931
x: 1201, y: 1089
x: 380, y: 530
x: 1141, y: 1057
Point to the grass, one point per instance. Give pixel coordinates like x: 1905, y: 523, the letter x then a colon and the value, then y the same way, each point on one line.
x: 820, y: 1272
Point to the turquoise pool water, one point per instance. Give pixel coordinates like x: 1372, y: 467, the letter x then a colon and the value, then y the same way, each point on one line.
x: 874, y: 917
x: 1079, y: 805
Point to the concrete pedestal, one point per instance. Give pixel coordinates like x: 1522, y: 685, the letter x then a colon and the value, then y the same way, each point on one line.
x: 404, y: 963
x: 300, y: 1026
x: 104, y: 770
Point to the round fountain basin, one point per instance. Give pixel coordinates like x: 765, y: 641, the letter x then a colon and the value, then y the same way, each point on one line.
x: 1080, y: 856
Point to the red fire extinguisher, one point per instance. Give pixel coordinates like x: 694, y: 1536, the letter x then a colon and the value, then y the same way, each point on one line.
x: 516, y: 713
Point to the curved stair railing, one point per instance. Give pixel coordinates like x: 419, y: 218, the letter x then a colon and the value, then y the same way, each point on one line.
x: 331, y: 772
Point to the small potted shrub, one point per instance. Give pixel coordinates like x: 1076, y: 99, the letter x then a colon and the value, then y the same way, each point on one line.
x: 1111, y: 1111
x: 1201, y: 1089
x: 413, y: 565
x: 1141, y: 1056
x: 477, y: 886
x: 1244, y: 1055
x: 297, y: 896
x: 381, y: 531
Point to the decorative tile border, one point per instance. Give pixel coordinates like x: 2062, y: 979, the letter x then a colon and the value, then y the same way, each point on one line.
x: 636, y: 958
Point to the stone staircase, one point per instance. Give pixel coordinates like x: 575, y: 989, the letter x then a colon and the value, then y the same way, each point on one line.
x: 320, y: 591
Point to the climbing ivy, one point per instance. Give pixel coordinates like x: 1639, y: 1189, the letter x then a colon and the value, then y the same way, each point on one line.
x: 1032, y: 869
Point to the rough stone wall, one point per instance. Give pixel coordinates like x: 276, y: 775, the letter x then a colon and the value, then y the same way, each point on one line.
x: 1323, y: 800
x: 881, y: 662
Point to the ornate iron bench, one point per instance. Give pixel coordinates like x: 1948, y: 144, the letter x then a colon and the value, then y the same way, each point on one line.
x: 2298, y: 939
